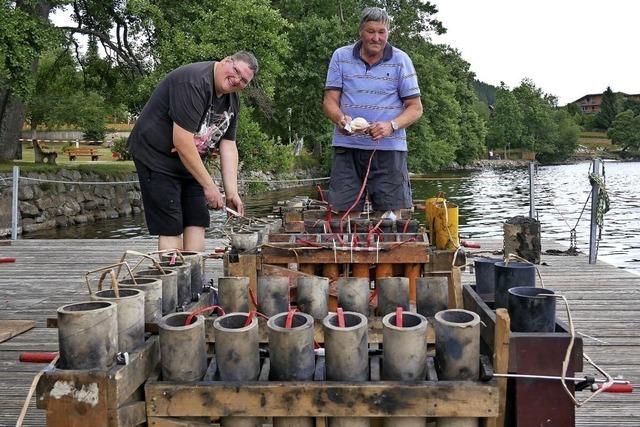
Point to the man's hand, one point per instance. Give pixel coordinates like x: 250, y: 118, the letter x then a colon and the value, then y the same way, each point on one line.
x: 344, y: 121
x: 380, y: 130
x: 235, y: 203
x: 213, y: 197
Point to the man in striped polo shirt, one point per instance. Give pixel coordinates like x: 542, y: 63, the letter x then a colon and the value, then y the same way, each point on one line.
x: 372, y: 80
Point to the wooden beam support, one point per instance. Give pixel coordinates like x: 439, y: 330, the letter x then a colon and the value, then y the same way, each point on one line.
x: 501, y: 364
x: 283, y: 253
x: 415, y: 399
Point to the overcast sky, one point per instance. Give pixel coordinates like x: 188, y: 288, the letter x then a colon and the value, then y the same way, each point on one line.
x: 569, y: 48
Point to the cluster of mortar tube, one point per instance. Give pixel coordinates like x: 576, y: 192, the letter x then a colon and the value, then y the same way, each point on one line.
x: 92, y: 333
x: 291, y: 339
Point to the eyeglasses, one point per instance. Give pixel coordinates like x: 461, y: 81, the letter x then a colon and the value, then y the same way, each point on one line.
x: 239, y: 75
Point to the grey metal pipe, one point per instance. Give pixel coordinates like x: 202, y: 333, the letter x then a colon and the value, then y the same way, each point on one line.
x: 404, y: 356
x: 346, y: 348
x: 457, y: 344
x: 233, y: 294
x: 457, y: 353
x: 237, y: 347
x: 432, y: 295
x: 347, y: 356
x: 169, y: 287
x: 393, y: 292
x: 130, y: 316
x: 313, y: 296
x: 237, y: 355
x: 183, y: 269
x: 293, y: 422
x: 196, y: 261
x: 349, y: 422
x: 240, y: 422
x: 88, y: 335
x: 182, y: 348
x: 273, y: 295
x: 291, y: 356
x: 353, y: 294
x: 291, y: 349
x: 152, y: 289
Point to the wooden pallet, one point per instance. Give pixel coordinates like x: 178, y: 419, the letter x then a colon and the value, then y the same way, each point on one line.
x: 172, y: 403
x: 98, y: 398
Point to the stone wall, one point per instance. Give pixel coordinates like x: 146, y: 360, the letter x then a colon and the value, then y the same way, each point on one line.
x: 49, y: 200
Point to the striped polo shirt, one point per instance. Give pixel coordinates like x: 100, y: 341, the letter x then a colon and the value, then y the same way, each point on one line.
x: 375, y: 92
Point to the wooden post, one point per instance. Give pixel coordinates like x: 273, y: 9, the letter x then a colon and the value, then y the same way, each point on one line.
x: 595, y: 194
x: 412, y: 272
x: 501, y: 363
x: 384, y: 270
x: 360, y: 270
x: 307, y: 268
x: 246, y: 265
x: 455, y: 288
x: 332, y: 271
x: 532, y: 196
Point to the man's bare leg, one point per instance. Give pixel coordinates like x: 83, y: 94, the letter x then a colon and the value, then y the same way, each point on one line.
x: 193, y: 239
x: 169, y: 242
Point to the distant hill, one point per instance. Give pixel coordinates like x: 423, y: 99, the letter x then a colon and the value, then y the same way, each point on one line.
x: 486, y: 93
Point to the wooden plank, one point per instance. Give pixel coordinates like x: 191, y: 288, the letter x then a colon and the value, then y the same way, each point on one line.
x: 328, y: 237
x: 11, y: 328
x: 455, y: 288
x: 276, y: 270
x: 442, y: 260
x: 126, y: 380
x: 245, y: 265
x: 283, y: 253
x: 501, y: 364
x: 473, y: 302
x: 419, y: 399
x: 131, y: 414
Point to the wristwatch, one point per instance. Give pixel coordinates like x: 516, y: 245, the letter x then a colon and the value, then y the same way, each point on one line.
x: 394, y: 125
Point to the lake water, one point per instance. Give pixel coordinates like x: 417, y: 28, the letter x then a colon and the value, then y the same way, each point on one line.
x: 485, y: 199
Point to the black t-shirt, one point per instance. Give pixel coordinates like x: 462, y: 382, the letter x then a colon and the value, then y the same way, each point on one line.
x: 186, y: 96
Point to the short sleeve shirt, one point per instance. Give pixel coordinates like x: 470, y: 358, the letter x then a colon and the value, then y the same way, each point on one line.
x: 186, y: 97
x: 375, y: 93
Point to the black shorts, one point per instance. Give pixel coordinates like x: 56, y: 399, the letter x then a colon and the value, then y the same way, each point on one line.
x: 388, y: 185
x: 171, y: 203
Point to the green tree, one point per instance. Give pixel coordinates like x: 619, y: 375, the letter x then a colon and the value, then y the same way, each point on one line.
x: 505, y: 127
x: 61, y: 97
x: 24, y: 33
x: 610, y: 106
x: 625, y: 130
x: 631, y: 104
x: 538, y: 125
x: 564, y: 138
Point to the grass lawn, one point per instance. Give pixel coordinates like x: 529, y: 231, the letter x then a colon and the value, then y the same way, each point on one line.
x: 595, y: 140
x: 106, y: 165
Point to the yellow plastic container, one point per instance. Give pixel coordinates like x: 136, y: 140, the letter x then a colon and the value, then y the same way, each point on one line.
x: 446, y: 225
x: 430, y: 213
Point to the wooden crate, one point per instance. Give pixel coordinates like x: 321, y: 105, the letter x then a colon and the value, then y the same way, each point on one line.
x: 178, y: 403
x: 98, y: 398
x: 532, y: 403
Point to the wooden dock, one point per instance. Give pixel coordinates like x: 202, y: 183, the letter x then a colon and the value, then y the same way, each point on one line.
x: 47, y: 274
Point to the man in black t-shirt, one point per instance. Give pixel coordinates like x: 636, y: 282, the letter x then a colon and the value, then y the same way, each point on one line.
x: 191, y: 113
